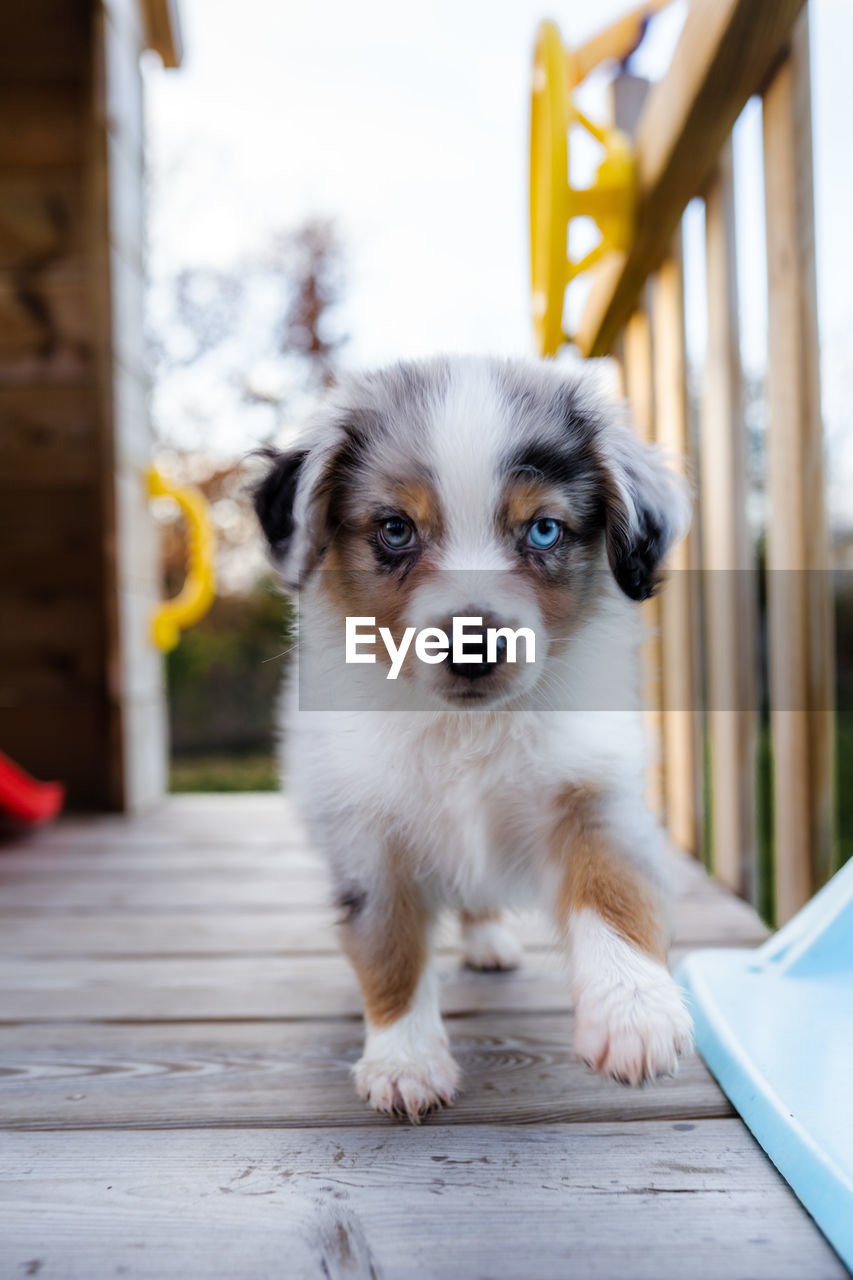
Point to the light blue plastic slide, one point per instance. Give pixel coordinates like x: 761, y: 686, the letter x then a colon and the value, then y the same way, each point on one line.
x: 775, y: 1026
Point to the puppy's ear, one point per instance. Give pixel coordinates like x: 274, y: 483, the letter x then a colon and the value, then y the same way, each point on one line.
x: 274, y: 496
x: 647, y: 509
x: 291, y: 502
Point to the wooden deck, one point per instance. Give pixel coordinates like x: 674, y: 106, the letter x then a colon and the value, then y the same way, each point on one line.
x: 174, y: 1095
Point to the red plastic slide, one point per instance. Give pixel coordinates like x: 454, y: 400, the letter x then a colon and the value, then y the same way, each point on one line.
x: 25, y: 798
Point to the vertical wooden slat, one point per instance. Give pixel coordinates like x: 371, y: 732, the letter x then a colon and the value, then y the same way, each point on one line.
x: 677, y: 604
x: 639, y: 387
x: 136, y: 705
x: 799, y: 602
x: 628, y: 93
x: 730, y: 605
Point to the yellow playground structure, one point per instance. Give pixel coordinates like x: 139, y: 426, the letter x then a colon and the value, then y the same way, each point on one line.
x: 554, y: 201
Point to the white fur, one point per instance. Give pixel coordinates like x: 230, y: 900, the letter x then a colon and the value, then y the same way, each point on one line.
x: 469, y: 426
x: 489, y: 944
x: 630, y: 1019
x: 406, y: 1068
x: 472, y: 789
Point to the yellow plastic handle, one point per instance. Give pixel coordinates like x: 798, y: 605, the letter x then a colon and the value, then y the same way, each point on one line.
x: 197, y: 594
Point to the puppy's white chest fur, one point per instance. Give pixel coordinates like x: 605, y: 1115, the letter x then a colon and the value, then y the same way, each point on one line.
x: 472, y: 797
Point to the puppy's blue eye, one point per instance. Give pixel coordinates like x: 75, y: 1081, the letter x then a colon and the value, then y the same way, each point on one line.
x: 544, y: 534
x: 397, y: 533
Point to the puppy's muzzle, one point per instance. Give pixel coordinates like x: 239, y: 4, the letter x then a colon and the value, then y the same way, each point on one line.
x: 476, y: 651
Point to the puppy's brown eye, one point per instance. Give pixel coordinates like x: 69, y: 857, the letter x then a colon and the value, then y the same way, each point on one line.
x: 397, y: 534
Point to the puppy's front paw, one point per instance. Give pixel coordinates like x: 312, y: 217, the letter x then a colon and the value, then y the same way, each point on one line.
x: 634, y: 1030
x: 407, y: 1086
x: 489, y: 945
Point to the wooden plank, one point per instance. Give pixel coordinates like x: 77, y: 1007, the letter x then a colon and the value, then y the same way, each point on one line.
x: 235, y: 987
x: 107, y: 891
x: 127, y: 308
x: 262, y: 888
x: 123, y: 83
x: 56, y: 621
x: 140, y: 858
x: 47, y: 850
x: 37, y: 734
x: 133, y: 1125
x: 84, y: 887
x: 231, y: 829
x: 48, y: 439
x: 42, y: 217
x: 45, y: 317
x: 680, y: 719
x: 164, y: 30
x: 127, y: 760
x: 637, y: 367
x: 254, y: 987
x: 799, y: 591
x: 310, y: 930
x: 42, y: 125
x: 128, y: 15
x: 726, y: 50
x: 204, y: 821
x: 648, y: 1200
x: 45, y: 853
x: 729, y: 578
x: 40, y: 604
x: 639, y: 389
x: 516, y: 1070
x: 127, y: 203
x: 42, y: 41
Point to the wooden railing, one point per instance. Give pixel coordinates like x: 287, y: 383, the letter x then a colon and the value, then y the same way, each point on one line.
x: 706, y: 652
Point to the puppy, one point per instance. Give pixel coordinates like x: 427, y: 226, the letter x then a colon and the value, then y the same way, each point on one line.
x: 511, y: 496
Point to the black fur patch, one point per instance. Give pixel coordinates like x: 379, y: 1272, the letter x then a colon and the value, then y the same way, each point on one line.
x: 350, y: 901
x: 572, y: 470
x: 635, y: 560
x: 551, y: 464
x: 274, y: 496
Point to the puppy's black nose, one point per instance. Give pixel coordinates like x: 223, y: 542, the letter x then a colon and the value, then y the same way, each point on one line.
x: 477, y: 662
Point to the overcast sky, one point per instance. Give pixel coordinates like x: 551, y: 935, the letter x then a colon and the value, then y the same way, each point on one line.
x: 407, y: 123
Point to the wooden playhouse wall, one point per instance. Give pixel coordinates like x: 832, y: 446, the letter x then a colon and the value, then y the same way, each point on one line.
x: 80, y: 687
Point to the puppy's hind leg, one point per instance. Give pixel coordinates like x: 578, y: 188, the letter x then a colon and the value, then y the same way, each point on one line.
x: 487, y: 943
x: 630, y: 1019
x: 406, y: 1068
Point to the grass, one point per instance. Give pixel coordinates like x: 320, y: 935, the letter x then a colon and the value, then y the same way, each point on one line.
x: 255, y: 772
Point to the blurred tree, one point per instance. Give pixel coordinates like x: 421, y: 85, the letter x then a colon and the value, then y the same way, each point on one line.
x: 315, y: 258
x: 240, y: 353
x: 237, y: 353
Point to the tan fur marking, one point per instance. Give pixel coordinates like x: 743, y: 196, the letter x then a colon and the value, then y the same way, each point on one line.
x: 357, y: 587
x: 388, y: 950
x: 419, y: 501
x: 481, y: 917
x: 525, y: 497
x: 354, y: 582
x: 597, y: 877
